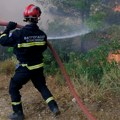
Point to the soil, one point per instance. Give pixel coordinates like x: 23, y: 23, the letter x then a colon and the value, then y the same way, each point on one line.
x: 36, y: 109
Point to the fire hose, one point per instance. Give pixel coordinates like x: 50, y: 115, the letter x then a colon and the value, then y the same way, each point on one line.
x: 66, y: 76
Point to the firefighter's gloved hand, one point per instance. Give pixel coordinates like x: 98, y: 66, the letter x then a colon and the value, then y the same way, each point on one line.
x: 11, y: 25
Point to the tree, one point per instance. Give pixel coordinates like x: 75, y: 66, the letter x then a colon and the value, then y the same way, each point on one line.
x: 96, y: 13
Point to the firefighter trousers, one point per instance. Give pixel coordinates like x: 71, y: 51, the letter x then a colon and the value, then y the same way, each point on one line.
x: 21, y: 77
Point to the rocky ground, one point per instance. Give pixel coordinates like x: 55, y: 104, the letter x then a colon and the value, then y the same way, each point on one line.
x: 36, y: 109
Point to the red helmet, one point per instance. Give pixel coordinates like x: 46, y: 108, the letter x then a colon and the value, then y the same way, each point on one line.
x: 32, y: 11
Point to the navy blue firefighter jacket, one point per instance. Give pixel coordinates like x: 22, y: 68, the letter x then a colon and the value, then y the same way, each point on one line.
x: 29, y: 43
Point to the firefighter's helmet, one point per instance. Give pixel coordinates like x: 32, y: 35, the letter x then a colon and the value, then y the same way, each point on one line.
x: 32, y: 13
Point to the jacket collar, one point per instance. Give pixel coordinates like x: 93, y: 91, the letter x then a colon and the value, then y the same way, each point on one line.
x: 31, y: 26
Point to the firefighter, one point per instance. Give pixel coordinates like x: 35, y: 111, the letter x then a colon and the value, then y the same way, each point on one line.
x: 28, y: 44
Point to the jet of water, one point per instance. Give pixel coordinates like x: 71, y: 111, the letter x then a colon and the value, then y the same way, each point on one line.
x: 68, y: 36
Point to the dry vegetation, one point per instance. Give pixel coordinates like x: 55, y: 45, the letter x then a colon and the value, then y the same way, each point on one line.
x: 103, y: 103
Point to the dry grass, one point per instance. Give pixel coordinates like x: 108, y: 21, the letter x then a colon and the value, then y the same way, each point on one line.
x: 8, y: 66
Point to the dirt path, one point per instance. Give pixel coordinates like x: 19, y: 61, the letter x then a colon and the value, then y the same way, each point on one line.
x: 36, y: 109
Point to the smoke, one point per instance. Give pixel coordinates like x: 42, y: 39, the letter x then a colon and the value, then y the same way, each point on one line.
x: 53, y: 21
x: 12, y: 10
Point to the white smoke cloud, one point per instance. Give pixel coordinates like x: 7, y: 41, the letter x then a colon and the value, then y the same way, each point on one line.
x: 12, y: 10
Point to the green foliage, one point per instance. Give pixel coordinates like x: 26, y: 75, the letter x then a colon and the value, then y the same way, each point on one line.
x: 9, y: 51
x: 114, y: 40
x: 94, y: 12
x: 94, y: 62
x: 78, y: 4
x: 111, y: 79
x: 50, y: 64
x: 5, y: 52
x: 93, y: 65
x: 96, y: 20
x: 59, y: 27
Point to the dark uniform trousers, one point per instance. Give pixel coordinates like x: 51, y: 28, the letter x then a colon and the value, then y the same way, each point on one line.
x: 21, y: 77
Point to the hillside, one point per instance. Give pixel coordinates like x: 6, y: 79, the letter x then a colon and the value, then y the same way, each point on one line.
x: 87, y: 54
x: 101, y: 99
x: 36, y: 109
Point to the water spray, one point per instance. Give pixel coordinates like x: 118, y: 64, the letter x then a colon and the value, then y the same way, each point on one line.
x: 69, y: 36
x: 66, y: 76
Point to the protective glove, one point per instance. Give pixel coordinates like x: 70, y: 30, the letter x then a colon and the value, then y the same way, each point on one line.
x: 11, y: 25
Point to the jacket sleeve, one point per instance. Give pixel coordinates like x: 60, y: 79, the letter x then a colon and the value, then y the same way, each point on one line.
x: 7, y: 39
